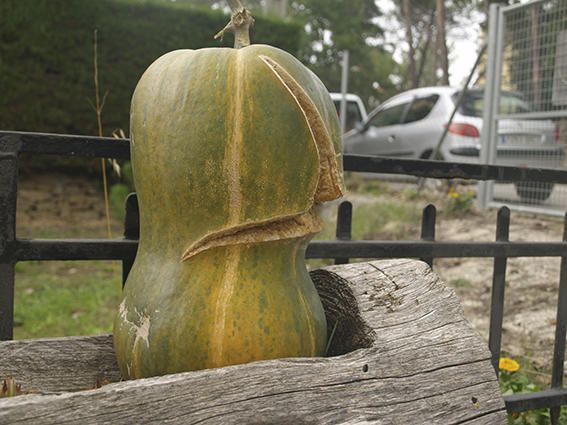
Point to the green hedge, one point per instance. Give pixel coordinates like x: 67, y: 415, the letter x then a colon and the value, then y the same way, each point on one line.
x: 46, y: 56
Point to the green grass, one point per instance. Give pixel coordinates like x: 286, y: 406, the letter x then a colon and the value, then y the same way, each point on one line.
x: 379, y: 220
x: 66, y: 298
x: 461, y: 283
x: 385, y: 220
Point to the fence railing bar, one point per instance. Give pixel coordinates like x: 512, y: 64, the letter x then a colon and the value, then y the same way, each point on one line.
x: 108, y: 249
x: 537, y: 400
x: 428, y: 219
x: 344, y: 227
x: 451, y: 170
x: 560, y: 329
x: 70, y: 145
x: 522, y: 5
x: 120, y: 148
x: 74, y: 249
x: 8, y: 194
x: 434, y: 249
x: 543, y: 115
x: 498, y: 289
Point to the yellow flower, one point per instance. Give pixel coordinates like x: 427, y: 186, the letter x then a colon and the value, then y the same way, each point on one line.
x: 509, y: 365
x: 454, y: 195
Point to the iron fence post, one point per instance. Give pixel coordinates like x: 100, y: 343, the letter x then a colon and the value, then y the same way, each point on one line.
x: 131, y: 231
x: 560, y: 329
x: 8, y: 194
x: 344, y: 226
x: 428, y: 218
x: 498, y: 289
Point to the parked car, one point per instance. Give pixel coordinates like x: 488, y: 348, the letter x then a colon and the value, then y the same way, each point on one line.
x: 356, y: 111
x: 410, y: 124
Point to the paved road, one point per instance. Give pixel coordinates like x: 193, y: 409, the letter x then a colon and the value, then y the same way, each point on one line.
x: 557, y: 202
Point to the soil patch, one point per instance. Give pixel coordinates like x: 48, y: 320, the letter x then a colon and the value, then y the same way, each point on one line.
x: 52, y: 205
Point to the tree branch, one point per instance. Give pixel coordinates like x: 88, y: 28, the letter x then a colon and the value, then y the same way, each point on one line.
x: 425, y: 49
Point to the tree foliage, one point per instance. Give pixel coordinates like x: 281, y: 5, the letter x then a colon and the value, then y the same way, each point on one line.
x: 421, y: 28
x: 332, y: 27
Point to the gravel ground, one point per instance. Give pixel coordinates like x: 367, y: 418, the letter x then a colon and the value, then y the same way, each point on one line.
x: 531, y: 283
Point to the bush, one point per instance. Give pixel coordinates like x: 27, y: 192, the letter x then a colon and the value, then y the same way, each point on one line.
x: 46, y: 56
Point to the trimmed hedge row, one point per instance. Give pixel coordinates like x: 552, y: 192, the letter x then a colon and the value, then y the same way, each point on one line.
x: 46, y: 56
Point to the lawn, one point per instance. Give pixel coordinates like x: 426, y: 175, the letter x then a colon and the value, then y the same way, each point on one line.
x: 66, y: 298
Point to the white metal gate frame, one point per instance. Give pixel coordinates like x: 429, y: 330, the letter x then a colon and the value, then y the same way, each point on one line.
x: 491, y: 115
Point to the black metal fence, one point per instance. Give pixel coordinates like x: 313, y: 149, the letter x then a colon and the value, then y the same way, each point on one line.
x: 341, y: 249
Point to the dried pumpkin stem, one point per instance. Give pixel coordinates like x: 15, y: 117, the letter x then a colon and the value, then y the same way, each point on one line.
x: 240, y: 22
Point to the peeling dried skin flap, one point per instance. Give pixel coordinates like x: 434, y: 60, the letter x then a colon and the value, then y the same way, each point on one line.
x: 328, y: 186
x: 270, y: 230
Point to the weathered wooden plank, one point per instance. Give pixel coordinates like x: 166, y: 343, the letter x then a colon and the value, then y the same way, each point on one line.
x: 403, y: 355
x: 59, y: 364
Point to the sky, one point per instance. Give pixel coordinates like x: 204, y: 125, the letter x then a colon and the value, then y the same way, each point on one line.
x: 463, y: 42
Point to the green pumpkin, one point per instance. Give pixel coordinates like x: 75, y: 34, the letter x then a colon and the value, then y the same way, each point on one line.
x: 231, y: 152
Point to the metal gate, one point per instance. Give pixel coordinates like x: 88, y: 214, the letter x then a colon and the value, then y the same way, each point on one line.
x: 525, y: 102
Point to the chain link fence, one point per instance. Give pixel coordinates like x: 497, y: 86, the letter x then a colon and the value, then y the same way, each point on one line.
x: 525, y: 103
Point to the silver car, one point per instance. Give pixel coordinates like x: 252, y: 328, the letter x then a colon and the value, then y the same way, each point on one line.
x: 355, y: 109
x: 410, y: 124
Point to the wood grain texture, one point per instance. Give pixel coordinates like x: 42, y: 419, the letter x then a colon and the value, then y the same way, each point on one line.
x: 59, y: 364
x: 404, y: 354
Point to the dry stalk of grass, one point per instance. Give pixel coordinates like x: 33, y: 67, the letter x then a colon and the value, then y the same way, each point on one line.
x: 98, y: 107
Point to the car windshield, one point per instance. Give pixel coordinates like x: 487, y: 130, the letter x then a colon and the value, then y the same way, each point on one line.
x: 353, y: 115
x: 390, y: 115
x: 473, y: 104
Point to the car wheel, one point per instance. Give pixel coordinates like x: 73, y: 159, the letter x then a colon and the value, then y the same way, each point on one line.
x: 533, y: 192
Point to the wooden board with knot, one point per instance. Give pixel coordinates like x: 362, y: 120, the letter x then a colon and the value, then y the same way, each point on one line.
x: 401, y: 353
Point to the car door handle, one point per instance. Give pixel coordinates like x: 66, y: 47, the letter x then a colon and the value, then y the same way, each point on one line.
x: 391, y: 138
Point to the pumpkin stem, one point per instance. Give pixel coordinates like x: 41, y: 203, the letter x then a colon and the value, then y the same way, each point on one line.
x: 240, y: 22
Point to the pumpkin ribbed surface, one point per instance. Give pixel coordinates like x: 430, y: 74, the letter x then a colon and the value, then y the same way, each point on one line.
x: 231, y: 150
